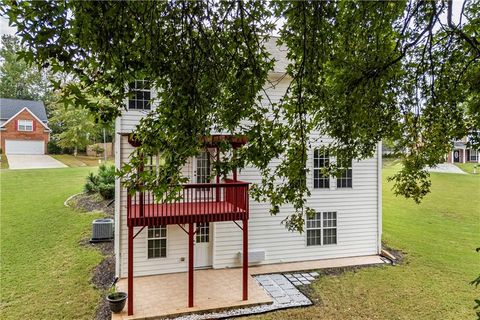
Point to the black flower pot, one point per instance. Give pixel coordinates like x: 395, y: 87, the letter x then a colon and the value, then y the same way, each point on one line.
x: 117, y: 301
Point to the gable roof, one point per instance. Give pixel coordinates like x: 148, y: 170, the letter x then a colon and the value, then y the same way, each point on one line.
x: 43, y: 123
x: 10, y: 107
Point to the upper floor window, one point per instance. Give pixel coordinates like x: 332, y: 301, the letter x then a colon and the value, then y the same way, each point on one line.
x: 320, y: 161
x: 322, y: 229
x: 157, y: 242
x: 25, y: 125
x: 346, y: 178
x: 140, y: 100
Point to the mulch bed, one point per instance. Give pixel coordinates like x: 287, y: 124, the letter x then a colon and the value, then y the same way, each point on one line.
x: 92, y: 202
x: 104, y: 273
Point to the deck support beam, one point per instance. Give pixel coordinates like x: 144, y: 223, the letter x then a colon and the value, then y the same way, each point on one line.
x: 245, y: 259
x: 190, y: 265
x: 130, y: 270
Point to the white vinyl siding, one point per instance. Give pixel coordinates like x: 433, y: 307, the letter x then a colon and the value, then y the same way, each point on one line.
x: 356, y: 230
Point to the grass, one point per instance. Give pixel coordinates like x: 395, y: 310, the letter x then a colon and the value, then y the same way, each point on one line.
x: 45, y: 272
x: 79, y: 161
x: 4, y: 162
x: 439, y: 238
x: 468, y: 167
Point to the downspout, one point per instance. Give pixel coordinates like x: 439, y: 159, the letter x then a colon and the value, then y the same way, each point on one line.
x: 379, y: 197
x: 117, y: 215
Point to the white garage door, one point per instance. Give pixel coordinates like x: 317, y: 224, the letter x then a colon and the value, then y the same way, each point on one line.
x: 24, y: 147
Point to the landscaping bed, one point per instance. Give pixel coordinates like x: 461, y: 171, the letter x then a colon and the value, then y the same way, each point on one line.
x: 91, y: 202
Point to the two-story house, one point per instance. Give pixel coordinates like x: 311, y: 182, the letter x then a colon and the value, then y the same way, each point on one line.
x: 216, y: 225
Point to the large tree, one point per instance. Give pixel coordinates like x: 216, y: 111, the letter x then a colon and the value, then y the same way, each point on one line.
x: 407, y: 71
x: 18, y: 79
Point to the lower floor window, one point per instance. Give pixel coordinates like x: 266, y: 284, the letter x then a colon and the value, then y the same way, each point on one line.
x: 157, y: 242
x: 321, y: 229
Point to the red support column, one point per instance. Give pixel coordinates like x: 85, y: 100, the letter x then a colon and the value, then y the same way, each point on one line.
x: 190, y: 265
x: 130, y: 270
x: 245, y: 259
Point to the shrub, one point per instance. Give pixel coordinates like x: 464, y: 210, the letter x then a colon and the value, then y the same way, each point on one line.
x: 102, y: 183
x: 97, y: 149
x: 54, y: 148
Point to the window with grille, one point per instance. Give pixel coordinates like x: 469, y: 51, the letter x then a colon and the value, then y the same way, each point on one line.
x: 157, y: 242
x: 203, y: 232
x: 329, y: 228
x: 345, y: 179
x: 25, y: 125
x: 320, y: 161
x: 203, y: 167
x: 321, y: 229
x: 140, y: 99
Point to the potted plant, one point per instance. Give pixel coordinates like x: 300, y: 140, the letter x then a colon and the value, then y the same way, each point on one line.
x: 116, y: 299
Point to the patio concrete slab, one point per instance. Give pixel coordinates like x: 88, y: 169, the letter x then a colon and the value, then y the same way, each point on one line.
x: 167, y: 294
x: 446, y: 168
x: 315, y: 264
x: 27, y: 161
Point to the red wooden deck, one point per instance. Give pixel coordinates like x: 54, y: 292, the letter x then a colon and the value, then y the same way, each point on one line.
x: 184, y: 212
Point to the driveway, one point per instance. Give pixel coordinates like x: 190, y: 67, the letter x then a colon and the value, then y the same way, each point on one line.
x: 447, y: 168
x: 26, y: 161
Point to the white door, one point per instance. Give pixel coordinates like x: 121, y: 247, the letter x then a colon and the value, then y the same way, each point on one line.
x: 202, y: 167
x: 203, y: 246
x: 24, y: 147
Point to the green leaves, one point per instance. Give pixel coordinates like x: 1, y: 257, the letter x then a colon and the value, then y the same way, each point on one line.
x: 358, y: 71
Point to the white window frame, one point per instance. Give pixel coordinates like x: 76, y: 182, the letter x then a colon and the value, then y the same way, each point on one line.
x: 157, y: 238
x: 344, y: 176
x: 24, y: 125
x: 324, y: 156
x: 200, y: 235
x: 322, y: 222
x: 145, y: 103
x: 474, y: 152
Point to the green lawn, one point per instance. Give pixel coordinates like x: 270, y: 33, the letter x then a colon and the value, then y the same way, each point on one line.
x: 79, y: 161
x: 468, y: 167
x: 439, y: 237
x: 45, y: 273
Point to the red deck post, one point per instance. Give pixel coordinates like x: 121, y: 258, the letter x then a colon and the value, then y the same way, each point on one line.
x: 130, y: 270
x: 245, y: 258
x: 190, y: 265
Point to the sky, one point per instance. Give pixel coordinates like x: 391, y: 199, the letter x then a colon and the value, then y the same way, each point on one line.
x: 4, y: 28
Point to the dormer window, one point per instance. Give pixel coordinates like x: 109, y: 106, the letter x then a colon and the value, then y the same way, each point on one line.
x: 140, y: 100
x: 25, y: 125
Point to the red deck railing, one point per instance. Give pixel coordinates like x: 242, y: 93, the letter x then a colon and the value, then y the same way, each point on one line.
x: 198, y: 203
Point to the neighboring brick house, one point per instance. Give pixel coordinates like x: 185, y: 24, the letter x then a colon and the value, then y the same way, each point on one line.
x: 463, y: 153
x: 23, y: 127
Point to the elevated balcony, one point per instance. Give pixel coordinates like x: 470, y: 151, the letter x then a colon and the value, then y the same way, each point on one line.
x: 199, y: 203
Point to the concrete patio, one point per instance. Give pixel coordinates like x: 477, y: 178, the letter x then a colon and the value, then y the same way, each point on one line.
x: 215, y: 289
x: 162, y: 295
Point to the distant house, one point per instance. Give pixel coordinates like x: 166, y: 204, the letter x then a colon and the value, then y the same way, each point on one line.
x: 23, y: 127
x: 462, y: 153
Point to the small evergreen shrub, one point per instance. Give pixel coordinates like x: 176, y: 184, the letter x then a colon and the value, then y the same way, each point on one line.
x: 54, y: 148
x: 102, y: 183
